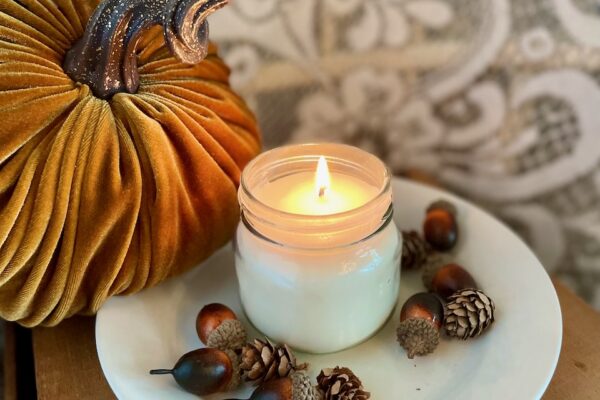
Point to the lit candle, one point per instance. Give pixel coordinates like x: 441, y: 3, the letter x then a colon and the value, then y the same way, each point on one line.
x: 317, y: 253
x: 315, y: 193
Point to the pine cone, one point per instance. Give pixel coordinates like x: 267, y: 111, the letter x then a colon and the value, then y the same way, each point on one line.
x: 340, y: 384
x: 414, y: 250
x: 263, y: 361
x: 468, y: 313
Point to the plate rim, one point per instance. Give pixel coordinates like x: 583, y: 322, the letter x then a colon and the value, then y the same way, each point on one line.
x: 557, y: 310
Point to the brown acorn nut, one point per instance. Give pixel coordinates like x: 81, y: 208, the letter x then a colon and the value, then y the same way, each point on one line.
x: 450, y: 278
x: 210, y: 317
x: 440, y: 228
x: 421, y: 318
x: 278, y: 389
x: 444, y: 205
x: 203, y: 371
x: 218, y: 326
x: 294, y: 387
x: 424, y: 306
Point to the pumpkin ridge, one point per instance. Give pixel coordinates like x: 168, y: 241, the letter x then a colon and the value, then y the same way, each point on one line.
x: 143, y: 143
x: 15, y: 37
x: 71, y: 144
x: 208, y: 116
x: 28, y: 95
x: 62, y: 23
x: 98, y: 116
x: 45, y: 134
x: 176, y: 93
x: 10, y: 142
x: 45, y: 35
x: 225, y: 161
x: 7, y: 54
x: 53, y: 170
x: 136, y: 271
x: 11, y: 242
x: 19, y: 68
x: 35, y: 252
x: 123, y: 114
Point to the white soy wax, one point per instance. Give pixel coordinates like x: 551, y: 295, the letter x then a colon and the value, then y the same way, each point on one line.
x: 317, y: 257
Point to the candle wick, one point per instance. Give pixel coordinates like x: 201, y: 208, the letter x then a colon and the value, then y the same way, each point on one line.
x: 322, y: 191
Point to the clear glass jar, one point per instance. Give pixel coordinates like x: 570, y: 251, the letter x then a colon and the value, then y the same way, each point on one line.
x: 320, y: 283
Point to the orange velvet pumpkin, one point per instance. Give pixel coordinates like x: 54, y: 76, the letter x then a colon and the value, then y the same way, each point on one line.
x: 105, y: 193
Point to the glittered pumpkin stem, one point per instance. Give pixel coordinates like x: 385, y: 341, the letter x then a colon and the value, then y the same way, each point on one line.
x: 105, y: 57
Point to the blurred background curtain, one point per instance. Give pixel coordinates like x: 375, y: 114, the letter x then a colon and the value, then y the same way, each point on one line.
x: 498, y: 100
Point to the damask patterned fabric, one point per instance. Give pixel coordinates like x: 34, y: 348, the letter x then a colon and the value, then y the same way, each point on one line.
x: 499, y: 99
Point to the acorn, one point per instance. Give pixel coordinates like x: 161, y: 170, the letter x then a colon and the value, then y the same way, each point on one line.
x: 440, y: 228
x: 442, y: 204
x: 205, y: 371
x: 421, y: 319
x: 297, y: 386
x: 434, y: 261
x: 448, y: 279
x: 218, y: 327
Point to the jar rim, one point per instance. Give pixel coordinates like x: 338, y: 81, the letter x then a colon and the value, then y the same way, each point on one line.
x: 382, y: 190
x: 262, y: 216
x: 386, y: 220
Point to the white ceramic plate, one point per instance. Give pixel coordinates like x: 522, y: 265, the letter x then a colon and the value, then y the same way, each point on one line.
x: 515, y: 360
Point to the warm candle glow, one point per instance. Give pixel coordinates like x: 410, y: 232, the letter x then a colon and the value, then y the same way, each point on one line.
x: 322, y: 178
x: 321, y: 192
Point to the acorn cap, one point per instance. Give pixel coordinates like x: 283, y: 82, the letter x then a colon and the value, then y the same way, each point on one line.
x: 231, y: 334
x: 418, y: 337
x: 236, y: 377
x: 302, y: 389
x: 443, y: 205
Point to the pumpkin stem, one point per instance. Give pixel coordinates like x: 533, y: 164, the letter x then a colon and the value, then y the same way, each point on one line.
x: 105, y: 57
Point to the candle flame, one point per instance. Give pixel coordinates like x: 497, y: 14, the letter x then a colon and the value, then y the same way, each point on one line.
x: 322, y: 178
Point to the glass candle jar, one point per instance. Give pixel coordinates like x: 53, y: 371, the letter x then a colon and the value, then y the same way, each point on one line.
x: 318, y: 270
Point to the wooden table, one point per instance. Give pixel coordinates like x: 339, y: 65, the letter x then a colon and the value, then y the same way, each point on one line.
x: 67, y: 367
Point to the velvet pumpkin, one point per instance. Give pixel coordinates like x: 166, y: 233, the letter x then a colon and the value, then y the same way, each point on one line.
x: 107, y: 193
